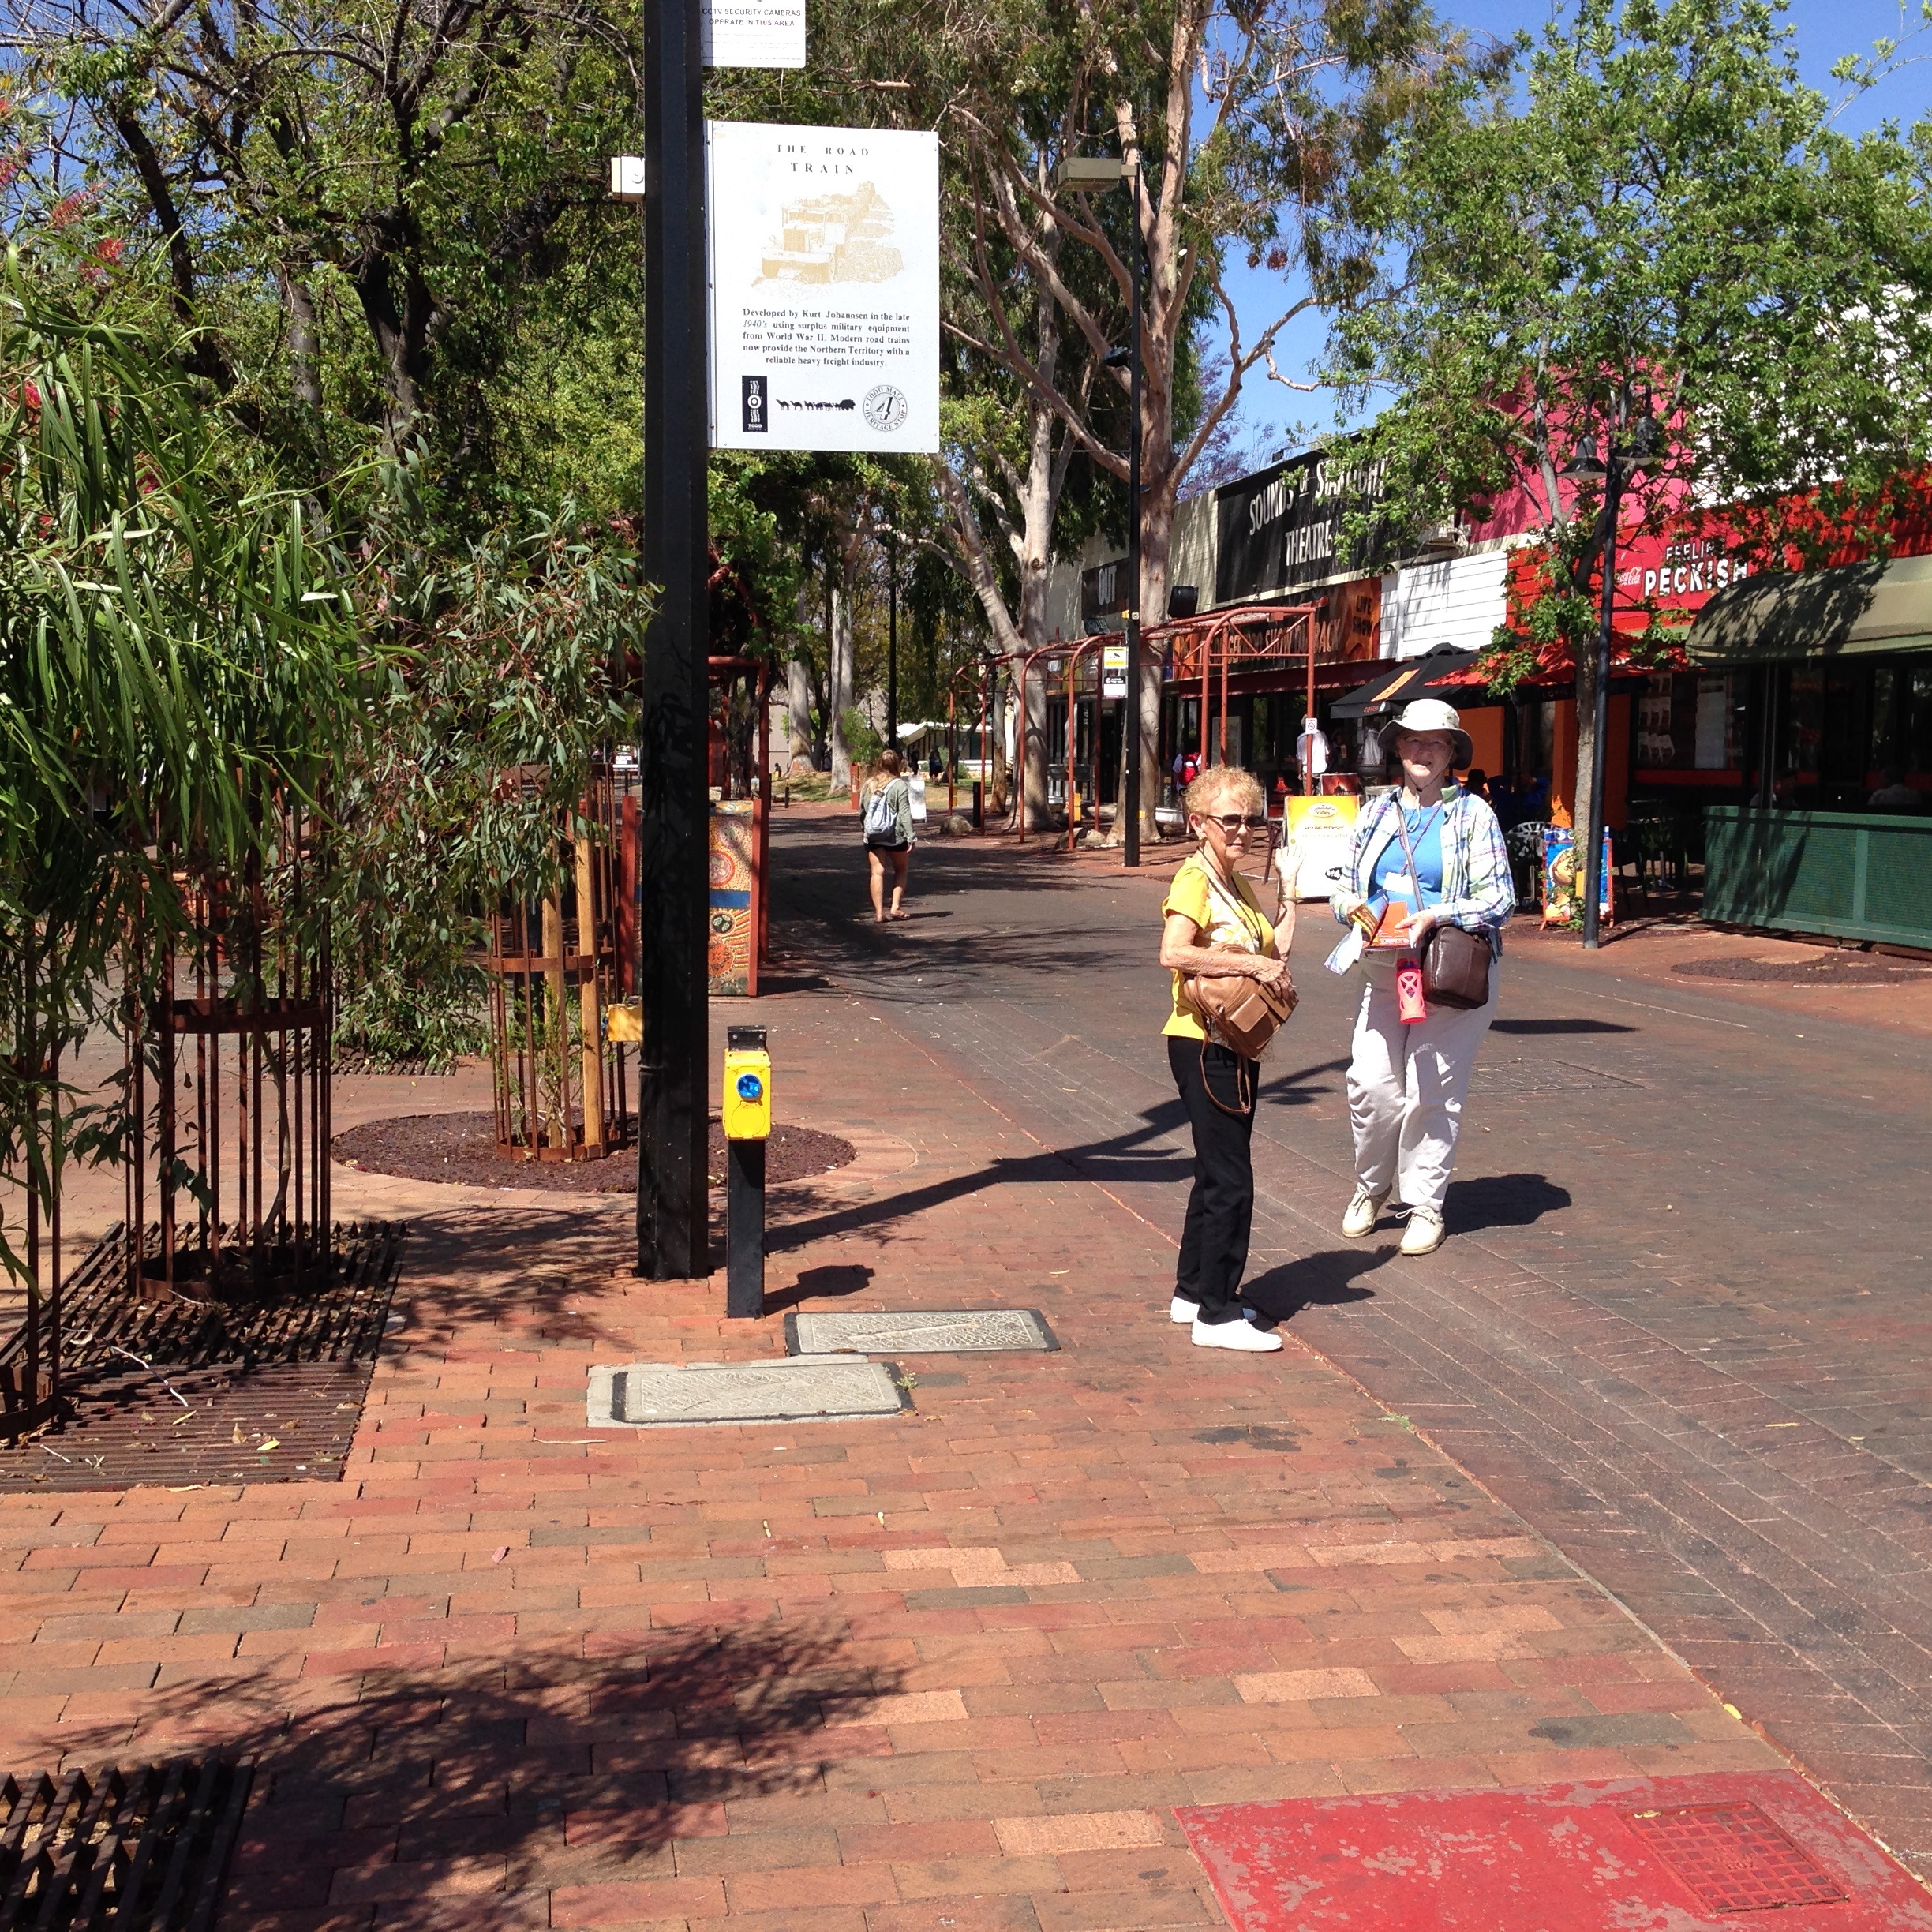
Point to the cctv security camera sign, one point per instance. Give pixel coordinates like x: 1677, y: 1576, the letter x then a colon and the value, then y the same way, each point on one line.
x: 824, y: 262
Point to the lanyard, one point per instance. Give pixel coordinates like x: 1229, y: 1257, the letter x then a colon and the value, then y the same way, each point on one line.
x: 1427, y: 825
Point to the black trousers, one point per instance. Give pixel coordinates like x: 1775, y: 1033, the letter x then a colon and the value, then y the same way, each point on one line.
x: 1214, y: 1244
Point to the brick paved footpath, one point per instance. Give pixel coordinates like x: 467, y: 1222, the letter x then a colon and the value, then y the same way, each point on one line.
x: 949, y: 1670
x: 1680, y: 1326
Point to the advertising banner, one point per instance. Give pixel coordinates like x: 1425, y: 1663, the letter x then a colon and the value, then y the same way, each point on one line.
x: 1563, y: 877
x: 823, y: 248
x: 1321, y: 835
x: 752, y: 33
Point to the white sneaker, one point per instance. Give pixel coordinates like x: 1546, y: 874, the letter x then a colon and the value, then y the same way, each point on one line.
x: 1235, y: 1334
x: 1181, y: 1310
x: 1424, y: 1233
x: 1358, y: 1218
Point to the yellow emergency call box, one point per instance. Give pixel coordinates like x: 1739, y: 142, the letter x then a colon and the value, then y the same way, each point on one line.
x: 747, y: 1085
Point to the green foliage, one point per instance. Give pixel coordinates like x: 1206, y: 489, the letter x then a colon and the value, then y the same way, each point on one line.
x: 862, y: 743
x: 175, y: 652
x: 1664, y: 221
x: 506, y: 670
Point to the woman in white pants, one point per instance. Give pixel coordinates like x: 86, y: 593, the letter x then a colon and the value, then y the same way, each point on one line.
x: 1437, y: 850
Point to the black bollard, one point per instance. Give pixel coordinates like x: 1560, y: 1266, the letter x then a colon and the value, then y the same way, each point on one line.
x: 744, y: 1289
x: 747, y: 1114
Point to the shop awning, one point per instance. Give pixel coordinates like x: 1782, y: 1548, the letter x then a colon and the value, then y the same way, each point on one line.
x: 1854, y: 611
x: 1395, y: 684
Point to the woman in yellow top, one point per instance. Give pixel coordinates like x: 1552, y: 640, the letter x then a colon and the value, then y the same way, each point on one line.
x: 1215, y: 928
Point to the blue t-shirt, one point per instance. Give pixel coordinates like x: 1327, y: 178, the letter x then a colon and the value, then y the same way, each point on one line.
x: 1389, y: 878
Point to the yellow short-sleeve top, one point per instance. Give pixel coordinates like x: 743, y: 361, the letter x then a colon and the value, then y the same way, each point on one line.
x: 1234, y: 921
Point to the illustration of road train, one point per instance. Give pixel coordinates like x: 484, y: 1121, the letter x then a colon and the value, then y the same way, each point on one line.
x: 835, y: 238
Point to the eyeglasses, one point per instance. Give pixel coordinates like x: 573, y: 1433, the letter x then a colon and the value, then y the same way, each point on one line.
x: 1232, y: 822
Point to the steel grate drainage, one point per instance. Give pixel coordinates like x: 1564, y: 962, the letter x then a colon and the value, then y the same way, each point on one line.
x: 144, y: 1850
x: 1734, y: 1857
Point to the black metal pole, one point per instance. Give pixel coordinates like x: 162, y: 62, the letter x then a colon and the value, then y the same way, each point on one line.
x: 673, y: 1071
x: 891, y: 642
x: 744, y: 1268
x: 1130, y: 805
x: 1599, y: 708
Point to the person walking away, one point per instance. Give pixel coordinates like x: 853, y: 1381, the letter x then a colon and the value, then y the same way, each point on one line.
x: 1437, y: 850
x: 1214, y: 927
x: 885, y: 815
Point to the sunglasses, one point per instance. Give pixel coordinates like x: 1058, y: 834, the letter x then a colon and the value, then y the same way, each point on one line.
x: 1232, y: 822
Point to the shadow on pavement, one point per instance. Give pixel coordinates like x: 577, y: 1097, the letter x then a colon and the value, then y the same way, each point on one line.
x: 1558, y: 1025
x: 1124, y: 1158
x: 1502, y: 1200
x: 821, y: 1284
x: 1288, y: 1089
x: 581, y: 1769
x: 1329, y: 1279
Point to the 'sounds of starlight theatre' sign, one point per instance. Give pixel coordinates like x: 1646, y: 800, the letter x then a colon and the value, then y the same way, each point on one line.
x: 1283, y: 529
x: 824, y: 260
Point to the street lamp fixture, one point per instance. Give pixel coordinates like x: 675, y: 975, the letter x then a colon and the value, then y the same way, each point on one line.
x: 1583, y: 466
x: 1081, y: 173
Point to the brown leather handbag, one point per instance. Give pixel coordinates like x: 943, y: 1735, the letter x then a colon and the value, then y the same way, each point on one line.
x: 1455, y: 967
x: 1242, y: 1014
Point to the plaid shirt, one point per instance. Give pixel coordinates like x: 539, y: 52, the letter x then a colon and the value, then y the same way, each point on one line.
x: 1479, y: 890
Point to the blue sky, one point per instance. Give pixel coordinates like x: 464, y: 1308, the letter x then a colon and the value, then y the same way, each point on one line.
x: 1826, y: 31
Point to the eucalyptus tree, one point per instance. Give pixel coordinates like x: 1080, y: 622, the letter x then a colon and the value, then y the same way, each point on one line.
x: 1650, y: 215
x: 363, y: 210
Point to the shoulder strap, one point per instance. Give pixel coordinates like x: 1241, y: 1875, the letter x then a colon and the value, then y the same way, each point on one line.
x: 1402, y: 827
x: 1235, y: 903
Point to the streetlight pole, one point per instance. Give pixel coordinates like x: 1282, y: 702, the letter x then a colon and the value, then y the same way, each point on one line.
x: 1082, y: 173
x: 1600, y: 707
x: 891, y: 641
x: 1615, y: 470
x: 673, y: 1063
x: 1130, y: 804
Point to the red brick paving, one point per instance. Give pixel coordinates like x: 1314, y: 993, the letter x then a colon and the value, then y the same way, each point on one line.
x: 951, y: 1670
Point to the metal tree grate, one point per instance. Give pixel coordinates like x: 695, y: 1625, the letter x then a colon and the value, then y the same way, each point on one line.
x: 1734, y: 1857
x: 145, y: 1849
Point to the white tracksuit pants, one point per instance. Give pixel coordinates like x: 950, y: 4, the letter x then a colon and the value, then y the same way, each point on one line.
x: 1406, y: 1085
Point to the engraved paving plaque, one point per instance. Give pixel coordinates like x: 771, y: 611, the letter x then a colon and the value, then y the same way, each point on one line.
x: 802, y: 1388
x: 946, y: 1332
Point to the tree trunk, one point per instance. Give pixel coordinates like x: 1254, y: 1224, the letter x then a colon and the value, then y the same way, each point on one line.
x: 799, y: 709
x: 839, y: 691
x: 1587, y: 752
x: 304, y: 341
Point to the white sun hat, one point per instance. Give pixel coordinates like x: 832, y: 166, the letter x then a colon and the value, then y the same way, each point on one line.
x: 1429, y: 717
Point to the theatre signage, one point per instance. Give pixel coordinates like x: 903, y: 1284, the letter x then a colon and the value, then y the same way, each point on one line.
x: 1284, y: 530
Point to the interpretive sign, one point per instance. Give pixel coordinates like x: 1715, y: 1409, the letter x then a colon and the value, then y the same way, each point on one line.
x: 824, y: 263
x: 752, y: 33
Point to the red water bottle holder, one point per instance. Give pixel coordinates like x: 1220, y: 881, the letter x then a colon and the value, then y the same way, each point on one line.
x: 1409, y: 1006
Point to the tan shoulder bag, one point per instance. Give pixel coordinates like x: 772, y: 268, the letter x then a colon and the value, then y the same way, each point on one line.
x: 1242, y: 1014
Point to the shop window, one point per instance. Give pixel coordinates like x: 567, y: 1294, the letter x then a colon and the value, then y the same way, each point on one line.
x: 1538, y: 717
x: 1714, y: 744
x: 1656, y: 743
x: 1915, y: 749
